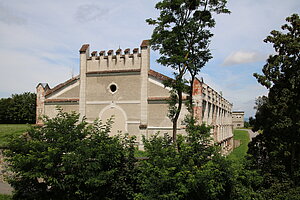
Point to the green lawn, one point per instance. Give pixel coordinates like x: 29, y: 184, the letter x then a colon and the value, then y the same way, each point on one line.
x: 8, y: 130
x: 239, y: 153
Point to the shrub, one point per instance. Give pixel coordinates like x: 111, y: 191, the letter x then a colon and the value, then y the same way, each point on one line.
x: 69, y: 159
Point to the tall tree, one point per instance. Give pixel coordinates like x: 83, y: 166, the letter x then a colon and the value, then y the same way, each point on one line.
x: 182, y: 35
x: 277, y: 150
x: 5, y: 103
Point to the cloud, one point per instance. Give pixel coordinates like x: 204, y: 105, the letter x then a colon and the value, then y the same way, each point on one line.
x: 90, y: 12
x: 242, y: 57
x: 8, y: 16
x: 22, y: 71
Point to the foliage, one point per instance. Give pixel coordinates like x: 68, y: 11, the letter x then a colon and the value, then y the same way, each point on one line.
x: 276, y: 152
x: 190, y: 169
x: 19, y: 109
x: 246, y: 124
x: 247, y: 182
x: 7, y: 131
x: 239, y: 153
x: 5, y: 197
x: 251, y: 121
x: 68, y: 159
x: 182, y: 36
x: 5, y: 116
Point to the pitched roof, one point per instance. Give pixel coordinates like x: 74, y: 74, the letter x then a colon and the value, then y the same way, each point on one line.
x: 44, y: 85
x: 60, y: 86
x: 158, y: 75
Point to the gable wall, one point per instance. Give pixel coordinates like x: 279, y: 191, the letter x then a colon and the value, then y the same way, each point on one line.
x: 128, y: 88
x: 156, y: 89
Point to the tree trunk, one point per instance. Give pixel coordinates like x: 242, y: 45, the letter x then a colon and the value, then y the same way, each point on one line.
x: 191, y: 96
x: 179, y: 92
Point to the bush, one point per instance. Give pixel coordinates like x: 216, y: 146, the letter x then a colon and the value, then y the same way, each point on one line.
x: 190, y: 169
x: 69, y: 159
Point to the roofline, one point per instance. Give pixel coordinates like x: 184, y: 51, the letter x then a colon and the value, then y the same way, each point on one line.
x: 61, y: 85
x: 158, y: 75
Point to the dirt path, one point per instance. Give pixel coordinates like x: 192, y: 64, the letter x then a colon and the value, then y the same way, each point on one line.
x: 5, y: 188
x: 251, y: 133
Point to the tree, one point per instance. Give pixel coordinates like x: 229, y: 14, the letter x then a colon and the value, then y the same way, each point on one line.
x: 69, y: 159
x: 182, y: 36
x: 190, y: 169
x: 19, y: 109
x: 246, y: 124
x: 251, y: 121
x: 276, y: 152
x: 5, y: 103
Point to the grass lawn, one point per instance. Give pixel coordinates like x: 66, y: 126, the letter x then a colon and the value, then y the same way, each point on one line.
x: 239, y: 153
x: 8, y: 130
x: 5, y: 197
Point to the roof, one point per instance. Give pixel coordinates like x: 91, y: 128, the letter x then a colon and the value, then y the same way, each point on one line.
x: 44, y: 85
x: 158, y: 75
x: 238, y: 112
x: 60, y: 86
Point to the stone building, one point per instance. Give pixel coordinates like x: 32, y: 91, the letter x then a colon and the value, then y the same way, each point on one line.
x: 123, y: 85
x: 238, y: 119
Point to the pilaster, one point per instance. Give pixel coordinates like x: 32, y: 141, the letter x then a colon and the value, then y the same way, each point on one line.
x: 145, y: 67
x: 84, y: 54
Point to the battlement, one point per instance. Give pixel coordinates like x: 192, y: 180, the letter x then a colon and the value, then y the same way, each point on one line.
x: 118, y: 60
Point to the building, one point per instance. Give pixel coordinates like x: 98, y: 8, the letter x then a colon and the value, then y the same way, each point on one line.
x: 123, y: 85
x: 238, y: 119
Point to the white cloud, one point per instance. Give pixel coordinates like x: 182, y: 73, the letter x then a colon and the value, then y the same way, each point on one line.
x: 21, y: 72
x: 9, y: 16
x: 90, y: 12
x: 242, y: 57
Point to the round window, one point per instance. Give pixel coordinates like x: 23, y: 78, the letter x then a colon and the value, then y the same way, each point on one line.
x: 113, y: 88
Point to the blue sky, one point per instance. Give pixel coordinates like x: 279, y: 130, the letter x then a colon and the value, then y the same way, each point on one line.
x: 39, y: 41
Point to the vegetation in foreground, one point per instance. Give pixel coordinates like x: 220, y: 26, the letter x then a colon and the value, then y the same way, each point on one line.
x: 5, y: 197
x: 8, y: 131
x: 239, y: 153
x: 69, y: 159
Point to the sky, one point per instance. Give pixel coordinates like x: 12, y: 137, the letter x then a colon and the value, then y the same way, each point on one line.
x: 40, y: 41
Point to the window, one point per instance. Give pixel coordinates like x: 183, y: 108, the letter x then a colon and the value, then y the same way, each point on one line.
x: 112, y: 88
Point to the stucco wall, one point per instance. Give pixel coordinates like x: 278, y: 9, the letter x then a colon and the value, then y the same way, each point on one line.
x: 128, y: 88
x: 158, y: 115
x: 70, y: 93
x: 51, y: 110
x: 157, y: 90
